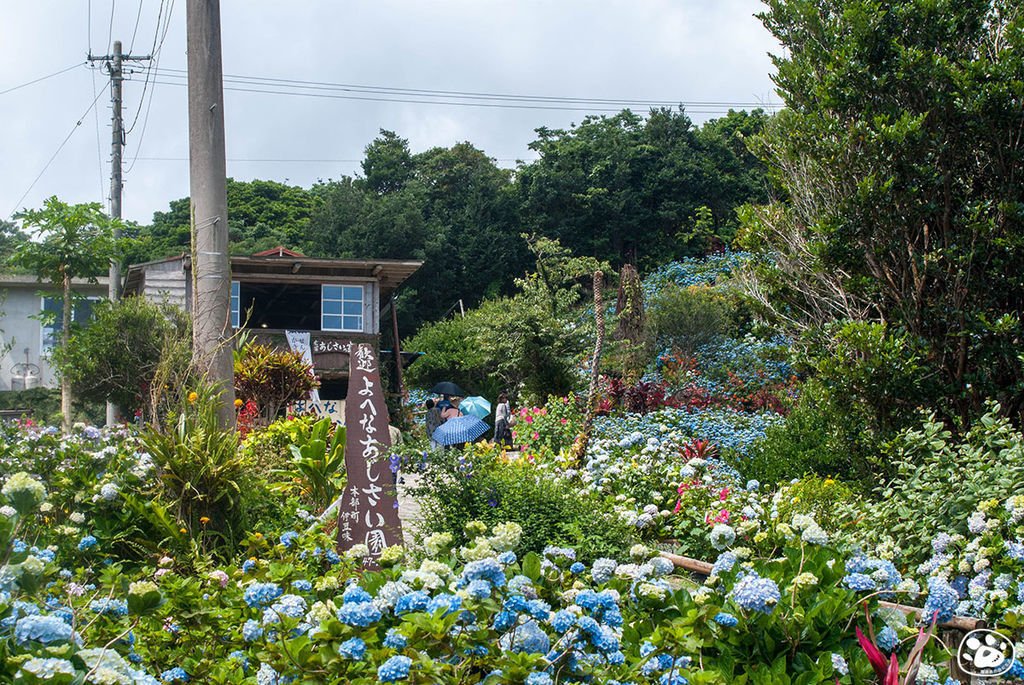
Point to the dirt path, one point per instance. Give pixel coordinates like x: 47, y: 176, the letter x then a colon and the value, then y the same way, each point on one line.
x: 408, y: 507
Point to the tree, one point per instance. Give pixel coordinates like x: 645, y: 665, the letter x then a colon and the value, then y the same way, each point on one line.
x: 901, y: 155
x: 71, y: 241
x: 119, y: 355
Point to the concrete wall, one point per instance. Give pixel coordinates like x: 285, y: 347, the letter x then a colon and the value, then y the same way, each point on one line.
x: 18, y: 302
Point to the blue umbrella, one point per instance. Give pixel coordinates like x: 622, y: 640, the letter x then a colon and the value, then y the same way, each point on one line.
x: 459, y: 430
x: 476, y: 405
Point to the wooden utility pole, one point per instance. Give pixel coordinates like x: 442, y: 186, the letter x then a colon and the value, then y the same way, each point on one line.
x: 114, y: 65
x: 211, y: 266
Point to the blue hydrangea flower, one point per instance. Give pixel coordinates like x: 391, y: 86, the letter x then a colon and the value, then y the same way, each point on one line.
x: 539, y: 679
x: 88, y: 542
x: 395, y: 668
x: 859, y: 582
x: 726, y: 620
x: 109, y: 607
x: 360, y: 615
x: 839, y: 663
x: 332, y: 557
x: 302, y: 585
x: 538, y: 609
x: 288, y: 538
x: 411, y: 602
x: 507, y: 558
x: 174, y: 675
x: 942, y: 598
x: 251, y: 631
x: 887, y: 639
x: 724, y: 563
x: 479, y: 589
x: 248, y: 566
x: 576, y: 569
x: 356, y: 595
x: 260, y: 595
x: 562, y: 621
x: 395, y: 639
x: 353, y: 649
x: 527, y: 638
x: 450, y: 604
x: 45, y: 629
x: 754, y: 593
x: 483, y: 569
x: 603, y: 570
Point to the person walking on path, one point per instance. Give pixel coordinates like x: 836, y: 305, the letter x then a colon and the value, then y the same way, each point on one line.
x: 502, y: 414
x: 433, y: 420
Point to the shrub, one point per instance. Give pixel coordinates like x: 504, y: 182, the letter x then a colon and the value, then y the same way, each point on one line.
x: 118, y: 355
x: 688, y: 318
x: 477, y: 485
x: 940, y: 482
x: 201, y: 470
x: 43, y: 406
x: 816, y: 438
x: 271, y: 378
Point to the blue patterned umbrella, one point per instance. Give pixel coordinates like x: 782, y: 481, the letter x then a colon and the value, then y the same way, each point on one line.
x: 459, y: 430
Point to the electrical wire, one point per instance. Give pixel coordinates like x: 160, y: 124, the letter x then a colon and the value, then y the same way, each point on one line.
x: 138, y: 16
x: 490, y: 105
x: 155, y: 51
x: 452, y: 94
x: 110, y: 30
x: 272, y: 160
x: 99, y: 151
x: 54, y: 156
x: 42, y: 78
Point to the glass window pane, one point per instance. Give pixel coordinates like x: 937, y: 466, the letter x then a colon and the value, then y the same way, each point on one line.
x: 332, y: 323
x: 331, y: 292
x: 83, y: 311
x: 352, y: 293
x: 353, y: 308
x: 353, y: 323
x: 331, y: 307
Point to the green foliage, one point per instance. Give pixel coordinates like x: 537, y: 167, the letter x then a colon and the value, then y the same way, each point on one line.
x: 827, y: 500
x: 261, y: 215
x: 201, y: 470
x: 940, y: 481
x: 817, y: 438
x: 478, y: 485
x: 271, y: 378
x: 43, y: 405
x: 117, y: 357
x: 524, y: 343
x: 899, y: 152
x: 687, y: 318
x: 318, y: 464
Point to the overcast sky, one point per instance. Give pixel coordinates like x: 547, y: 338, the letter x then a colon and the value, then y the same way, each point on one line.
x: 689, y: 51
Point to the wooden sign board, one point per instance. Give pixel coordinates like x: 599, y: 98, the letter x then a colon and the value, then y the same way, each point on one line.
x: 368, y: 513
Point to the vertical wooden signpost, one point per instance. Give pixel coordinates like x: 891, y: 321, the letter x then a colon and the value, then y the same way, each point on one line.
x: 369, y: 507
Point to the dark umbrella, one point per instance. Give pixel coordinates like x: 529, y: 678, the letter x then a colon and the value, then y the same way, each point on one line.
x: 448, y: 388
x: 459, y: 430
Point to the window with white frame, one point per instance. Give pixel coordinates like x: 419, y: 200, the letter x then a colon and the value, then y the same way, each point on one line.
x: 236, y: 304
x: 341, y: 308
x: 53, y: 319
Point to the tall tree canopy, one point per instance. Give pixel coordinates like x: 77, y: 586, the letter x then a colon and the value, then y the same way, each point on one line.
x: 902, y: 152
x: 626, y: 188
x: 614, y: 188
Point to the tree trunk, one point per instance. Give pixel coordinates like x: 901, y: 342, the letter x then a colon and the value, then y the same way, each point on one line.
x: 579, y: 446
x: 65, y: 334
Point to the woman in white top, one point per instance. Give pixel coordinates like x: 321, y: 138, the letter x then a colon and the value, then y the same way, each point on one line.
x: 502, y: 431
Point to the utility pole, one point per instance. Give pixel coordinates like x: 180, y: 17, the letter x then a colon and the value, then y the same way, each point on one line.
x: 211, y: 266
x: 114, y: 65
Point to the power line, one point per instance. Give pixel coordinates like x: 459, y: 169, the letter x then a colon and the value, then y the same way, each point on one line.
x: 155, y: 53
x: 96, y: 117
x: 42, y: 78
x: 138, y: 16
x: 490, y: 105
x: 110, y: 29
x: 54, y: 156
x: 277, y: 160
x: 454, y: 94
